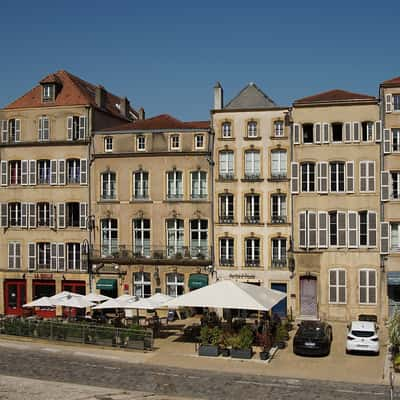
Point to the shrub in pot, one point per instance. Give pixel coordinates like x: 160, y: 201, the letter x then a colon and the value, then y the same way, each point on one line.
x: 210, y: 339
x: 281, y: 334
x: 264, y: 354
x: 241, y: 344
x: 396, y: 363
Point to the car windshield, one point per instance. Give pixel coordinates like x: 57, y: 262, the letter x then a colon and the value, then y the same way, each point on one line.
x: 311, y: 331
x: 363, y: 333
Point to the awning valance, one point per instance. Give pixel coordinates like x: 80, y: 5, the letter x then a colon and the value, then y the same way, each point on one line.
x: 393, y: 278
x: 106, y: 284
x: 197, y: 281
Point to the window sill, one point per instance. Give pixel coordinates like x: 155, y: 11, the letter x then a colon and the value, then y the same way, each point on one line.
x: 227, y: 139
x: 279, y: 137
x: 252, y: 224
x: 283, y: 179
x: 106, y: 201
x: 252, y: 138
x: 252, y: 179
x: 284, y: 224
x: 226, y: 180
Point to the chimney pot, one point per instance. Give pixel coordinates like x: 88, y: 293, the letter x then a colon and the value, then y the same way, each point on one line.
x: 142, y: 114
x: 218, y: 96
x: 124, y: 107
x: 99, y: 96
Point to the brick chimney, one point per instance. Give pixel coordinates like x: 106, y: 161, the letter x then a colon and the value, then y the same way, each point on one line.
x: 141, y: 113
x: 100, y: 96
x: 218, y: 97
x: 124, y: 107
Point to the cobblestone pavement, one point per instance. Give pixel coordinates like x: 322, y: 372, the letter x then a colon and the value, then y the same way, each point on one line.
x: 62, y: 366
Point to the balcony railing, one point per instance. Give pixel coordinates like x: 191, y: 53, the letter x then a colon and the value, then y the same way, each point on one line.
x: 198, y: 196
x: 226, y: 219
x: 277, y: 176
x: 251, y: 176
x: 278, y: 219
x: 224, y: 261
x: 278, y: 263
x: 105, y: 196
x: 226, y: 176
x: 175, y: 196
x: 252, y: 262
x: 253, y: 219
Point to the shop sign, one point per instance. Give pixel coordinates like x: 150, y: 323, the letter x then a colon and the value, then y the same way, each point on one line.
x: 242, y: 276
x: 43, y: 276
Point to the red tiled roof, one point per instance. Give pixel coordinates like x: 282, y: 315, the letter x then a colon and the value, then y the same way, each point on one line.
x: 393, y: 81
x: 74, y: 91
x: 335, y: 95
x: 159, y: 122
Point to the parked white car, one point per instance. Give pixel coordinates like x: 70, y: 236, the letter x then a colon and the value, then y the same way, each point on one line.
x: 362, y: 336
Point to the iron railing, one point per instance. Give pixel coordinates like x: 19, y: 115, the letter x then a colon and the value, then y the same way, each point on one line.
x: 253, y: 219
x: 278, y: 263
x: 278, y: 219
x: 226, y: 219
x: 226, y: 261
x: 252, y: 262
x: 226, y: 176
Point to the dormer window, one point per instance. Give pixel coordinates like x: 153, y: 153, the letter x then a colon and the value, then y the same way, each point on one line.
x: 175, y: 142
x: 48, y: 92
x: 108, y: 144
x: 141, y: 143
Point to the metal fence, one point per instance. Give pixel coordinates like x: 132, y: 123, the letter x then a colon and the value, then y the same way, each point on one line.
x: 130, y: 338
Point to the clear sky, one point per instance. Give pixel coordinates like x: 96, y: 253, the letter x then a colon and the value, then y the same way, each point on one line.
x: 167, y: 55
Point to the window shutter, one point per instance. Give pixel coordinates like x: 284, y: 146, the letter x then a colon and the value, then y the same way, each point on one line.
x: 363, y: 176
x: 4, y: 131
x: 61, y: 215
x: 371, y: 176
x: 70, y: 124
x: 322, y: 229
x: 312, y: 229
x: 322, y: 177
x: 53, y: 172
x: 389, y: 103
x: 341, y: 227
x: 32, y: 215
x: 11, y: 251
x: 84, y: 172
x: 385, y: 185
x: 82, y: 215
x: 325, y: 132
x: 17, y: 130
x: 51, y: 216
x: 24, y: 172
x: 82, y: 127
x: 4, y: 215
x: 296, y: 134
x: 61, y: 256
x: 385, y: 237
x: 387, y: 143
x: 352, y: 229
x: 350, y: 176
x: 347, y: 132
x: 378, y: 131
x: 4, y: 172
x: 303, y: 229
x: 61, y: 172
x: 294, y: 177
x: 46, y: 128
x: 32, y: 172
x: 31, y: 256
x: 24, y: 215
x: 317, y: 132
x: 53, y: 256
x: 40, y: 129
x: 372, y: 222
x: 356, y: 131
x: 342, y: 285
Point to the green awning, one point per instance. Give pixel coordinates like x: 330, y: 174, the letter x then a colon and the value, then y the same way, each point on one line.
x: 106, y: 284
x: 393, y: 278
x: 197, y: 281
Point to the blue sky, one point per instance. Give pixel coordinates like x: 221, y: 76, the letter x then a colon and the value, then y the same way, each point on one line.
x: 167, y: 55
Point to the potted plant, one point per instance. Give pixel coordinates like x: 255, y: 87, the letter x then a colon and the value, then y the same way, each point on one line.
x: 224, y: 345
x: 210, y: 339
x: 241, y: 344
x: 396, y: 363
x: 280, y: 336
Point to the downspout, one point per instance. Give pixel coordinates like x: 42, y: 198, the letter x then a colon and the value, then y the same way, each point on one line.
x: 211, y: 163
x: 89, y: 222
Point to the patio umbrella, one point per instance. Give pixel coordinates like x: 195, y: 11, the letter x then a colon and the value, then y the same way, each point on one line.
x: 65, y: 293
x: 141, y: 304
x: 119, y: 302
x: 160, y: 299
x: 73, y: 302
x: 42, y: 302
x: 96, y: 298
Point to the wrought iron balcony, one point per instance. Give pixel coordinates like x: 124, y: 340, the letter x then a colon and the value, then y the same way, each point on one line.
x: 279, y: 263
x: 226, y: 219
x: 226, y: 261
x: 226, y: 176
x: 252, y: 262
x: 278, y: 219
x: 278, y: 176
x: 253, y: 219
x: 252, y: 176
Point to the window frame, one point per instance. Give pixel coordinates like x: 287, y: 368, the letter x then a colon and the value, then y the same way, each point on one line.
x: 108, y: 186
x: 203, y: 142
x: 310, y: 184
x: 252, y: 129
x: 229, y: 256
x: 108, y: 144
x: 141, y: 284
x: 226, y: 130
x: 140, y: 143
x: 337, y: 286
x: 175, y: 137
x: 141, y: 227
x: 367, y: 286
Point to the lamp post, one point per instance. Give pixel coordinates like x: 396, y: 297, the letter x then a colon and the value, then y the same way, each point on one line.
x: 291, y: 260
x: 88, y: 261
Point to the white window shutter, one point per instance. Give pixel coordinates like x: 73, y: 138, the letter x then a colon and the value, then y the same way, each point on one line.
x: 312, y: 229
x: 347, y: 132
x: 53, y: 256
x: 372, y: 225
x: 341, y: 229
x: 32, y: 215
x: 352, y: 224
x: 294, y: 184
x: 387, y: 143
x: 385, y: 237
x: 46, y: 128
x: 322, y: 177
x: 40, y: 129
x: 350, y: 176
x: 4, y: 172
x: 70, y: 127
x: 363, y: 176
x: 17, y: 130
x: 24, y: 215
x: 385, y: 185
x: 53, y: 172
x: 82, y: 215
x: 322, y: 229
x: 317, y: 132
x: 31, y: 256
x: 11, y: 252
x: 61, y: 215
x: 296, y: 133
x: 82, y: 127
x: 378, y: 131
x: 4, y: 131
x: 51, y: 215
x: 3, y: 215
x: 61, y: 256
x: 303, y: 229
x: 356, y: 131
x: 388, y: 103
x: 32, y: 172
x: 371, y: 176
x: 84, y: 172
x: 325, y: 132
x: 61, y: 172
x: 24, y: 172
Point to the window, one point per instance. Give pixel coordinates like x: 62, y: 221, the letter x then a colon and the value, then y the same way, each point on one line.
x: 279, y: 128
x: 48, y: 92
x: 109, y: 236
x: 73, y: 171
x: 226, y: 130
x: 226, y: 251
x: 363, y: 218
x: 252, y: 215
x: 72, y: 210
x: 333, y: 228
x: 14, y: 130
x: 395, y: 237
x: 43, y: 214
x: 175, y: 235
x: 395, y: 185
x: 367, y: 131
x: 278, y: 253
x: 198, y: 184
x: 141, y: 185
x: 337, y: 286
x: 142, y: 284
x: 278, y: 164
x: 367, y: 286
x: 43, y: 172
x: 174, y: 185
x: 14, y: 255
x: 140, y: 143
x: 108, y: 144
x: 337, y: 176
x: 226, y: 169
x: 278, y: 208
x: 15, y: 172
x: 43, y: 255
x: 367, y: 176
x: 226, y: 209
x: 308, y: 177
x: 175, y: 284
x: 199, y: 142
x: 175, y: 142
x: 252, y: 129
x: 77, y: 129
x: 396, y: 102
x: 308, y: 134
x: 141, y: 237
x: 73, y: 256
x: 199, y: 238
x: 108, y: 185
x: 252, y: 164
x: 337, y: 132
x: 44, y: 128
x: 252, y: 250
x: 396, y: 140
x: 14, y: 212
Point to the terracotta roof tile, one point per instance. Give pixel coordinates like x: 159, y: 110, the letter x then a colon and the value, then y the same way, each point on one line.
x: 393, y: 81
x: 335, y: 95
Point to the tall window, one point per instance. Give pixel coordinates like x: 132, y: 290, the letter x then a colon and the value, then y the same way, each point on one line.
x: 337, y: 132
x: 337, y: 286
x: 43, y: 214
x: 308, y: 177
x: 73, y: 171
x: 396, y: 102
x: 394, y: 237
x: 278, y: 208
x: 395, y: 185
x: 252, y: 129
x: 198, y: 184
x: 14, y: 212
x: 278, y: 164
x: 308, y: 134
x: 198, y: 237
x: 142, y: 284
x: 14, y: 255
x: 140, y: 143
x: 44, y: 128
x: 252, y: 214
x: 226, y: 130
x: 367, y: 131
x: 199, y: 142
x: 109, y: 236
x: 73, y: 214
x: 396, y: 140
x: 175, y: 142
x: 108, y: 144
x: 174, y: 185
x: 175, y: 284
x: 363, y: 218
x: 226, y: 168
x: 141, y: 185
x: 252, y: 249
x: 74, y: 256
x: 108, y: 185
x: 278, y: 128
x: 14, y: 130
x: 175, y: 236
x: 226, y: 251
x: 226, y: 215
x: 15, y: 172
x: 43, y: 255
x: 337, y: 176
x: 279, y: 252
x: 367, y: 286
x: 43, y: 172
x: 141, y: 237
x: 367, y: 176
x: 252, y: 164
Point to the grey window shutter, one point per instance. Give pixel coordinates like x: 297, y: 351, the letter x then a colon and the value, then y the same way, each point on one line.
x: 347, y: 132
x: 378, y: 131
x: 385, y: 237
x: 61, y: 256
x: 312, y: 229
x: 325, y: 132
x: 322, y: 229
x: 53, y: 172
x: 17, y: 248
x: 388, y: 103
x: 385, y: 185
x: 17, y: 130
x: 4, y: 172
x: 31, y: 256
x: 53, y: 256
x: 4, y: 215
x: 372, y: 222
x: 24, y: 172
x: 46, y: 128
x: 24, y: 215
x: 51, y: 215
x: 296, y: 134
x: 294, y: 183
x: 11, y: 252
x: 387, y: 143
x: 303, y: 229
x: 82, y: 127
x: 363, y: 176
x: 371, y: 176
x: 61, y: 215
x: 317, y: 132
x: 32, y: 172
x: 32, y: 215
x: 70, y: 124
x: 83, y: 172
x: 82, y: 215
x: 342, y: 285
x: 341, y: 228
x: 61, y: 172
x: 40, y: 129
x: 350, y: 176
x: 322, y: 177
x: 352, y: 229
x: 4, y: 131
x: 356, y: 131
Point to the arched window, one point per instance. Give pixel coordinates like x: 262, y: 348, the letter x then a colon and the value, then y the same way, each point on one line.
x: 226, y: 130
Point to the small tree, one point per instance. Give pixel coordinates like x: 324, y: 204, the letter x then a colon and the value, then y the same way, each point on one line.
x: 394, y: 330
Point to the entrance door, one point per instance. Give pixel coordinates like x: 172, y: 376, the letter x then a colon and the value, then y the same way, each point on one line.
x: 308, y: 296
x: 281, y: 307
x: 14, y: 296
x: 394, y: 298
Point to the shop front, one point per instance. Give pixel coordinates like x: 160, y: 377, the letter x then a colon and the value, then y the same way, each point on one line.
x: 197, y: 281
x: 42, y: 288
x: 108, y: 287
x: 78, y: 287
x: 14, y: 296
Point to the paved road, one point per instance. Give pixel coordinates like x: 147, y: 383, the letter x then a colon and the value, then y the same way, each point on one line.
x: 62, y: 366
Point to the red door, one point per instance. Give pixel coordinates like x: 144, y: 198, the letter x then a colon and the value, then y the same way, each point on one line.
x: 14, y: 296
x: 42, y: 288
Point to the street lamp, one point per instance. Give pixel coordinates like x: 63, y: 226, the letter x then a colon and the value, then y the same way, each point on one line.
x: 291, y: 260
x: 87, y: 260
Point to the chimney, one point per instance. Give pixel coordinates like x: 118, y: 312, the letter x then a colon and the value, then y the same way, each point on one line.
x: 141, y: 113
x: 100, y: 96
x: 218, y: 96
x: 124, y: 107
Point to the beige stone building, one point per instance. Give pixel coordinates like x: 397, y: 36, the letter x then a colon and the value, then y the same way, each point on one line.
x: 44, y: 196
x: 251, y: 194
x: 151, y: 191
x: 335, y: 185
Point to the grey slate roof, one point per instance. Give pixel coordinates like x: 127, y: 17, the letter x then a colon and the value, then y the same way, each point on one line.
x: 250, y: 97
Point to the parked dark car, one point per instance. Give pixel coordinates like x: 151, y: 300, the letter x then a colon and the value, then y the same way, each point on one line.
x: 313, y: 338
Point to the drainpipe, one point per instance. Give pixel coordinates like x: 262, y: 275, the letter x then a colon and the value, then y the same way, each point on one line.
x: 89, y: 225
x: 210, y: 160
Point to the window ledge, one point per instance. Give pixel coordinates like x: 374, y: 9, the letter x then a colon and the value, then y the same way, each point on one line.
x: 279, y: 137
x: 140, y: 201
x: 252, y: 179
x: 278, y: 224
x: 227, y: 139
x: 252, y: 138
x: 278, y: 179
x: 105, y: 201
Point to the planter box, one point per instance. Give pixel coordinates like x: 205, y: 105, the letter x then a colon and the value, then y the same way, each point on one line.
x: 242, y: 353
x: 208, y: 350
x: 225, y: 352
x: 264, y: 355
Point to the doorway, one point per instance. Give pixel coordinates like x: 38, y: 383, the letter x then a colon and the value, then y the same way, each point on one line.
x: 308, y: 296
x: 281, y: 307
x: 14, y: 296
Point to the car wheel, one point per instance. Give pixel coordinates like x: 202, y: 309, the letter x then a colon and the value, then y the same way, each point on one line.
x: 347, y: 351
